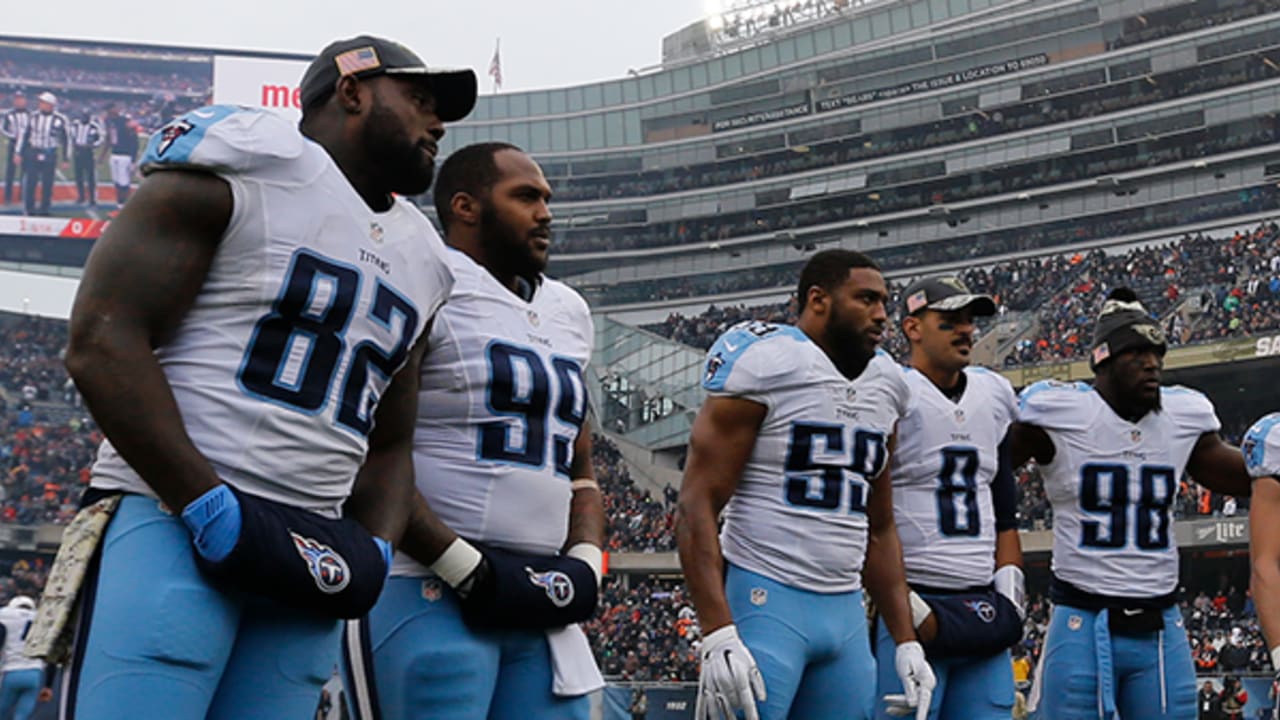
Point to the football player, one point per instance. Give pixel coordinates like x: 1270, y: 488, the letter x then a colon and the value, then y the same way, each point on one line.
x: 1112, y: 454
x: 1261, y: 450
x: 244, y: 334
x: 24, y: 680
x: 793, y: 444
x: 955, y: 507
x: 504, y: 557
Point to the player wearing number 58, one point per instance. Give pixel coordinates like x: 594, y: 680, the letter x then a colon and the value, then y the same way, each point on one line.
x: 246, y: 335
x: 502, y: 557
x: 1112, y: 454
x: 793, y: 443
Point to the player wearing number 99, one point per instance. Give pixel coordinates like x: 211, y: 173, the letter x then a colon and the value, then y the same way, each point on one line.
x: 955, y: 506
x: 1112, y: 454
x: 502, y: 558
x: 245, y: 334
x: 793, y: 443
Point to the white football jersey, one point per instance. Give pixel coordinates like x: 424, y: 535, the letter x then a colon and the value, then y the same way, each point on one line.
x: 943, y: 467
x: 310, y: 306
x: 799, y: 513
x: 1112, y: 484
x: 1261, y: 447
x: 16, y: 621
x: 500, y: 407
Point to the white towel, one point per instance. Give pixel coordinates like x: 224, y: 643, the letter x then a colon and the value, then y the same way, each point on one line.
x: 573, y: 666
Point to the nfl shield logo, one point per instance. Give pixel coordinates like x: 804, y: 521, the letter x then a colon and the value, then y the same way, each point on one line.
x: 375, y: 232
x: 759, y: 596
x: 959, y: 415
x: 1135, y: 435
x: 1074, y: 622
x: 431, y: 591
x: 533, y: 319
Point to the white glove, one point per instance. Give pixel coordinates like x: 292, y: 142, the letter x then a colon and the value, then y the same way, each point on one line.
x: 917, y: 682
x: 729, y: 680
x: 1011, y: 583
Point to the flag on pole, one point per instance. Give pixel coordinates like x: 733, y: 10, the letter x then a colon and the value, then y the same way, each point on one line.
x: 495, y: 65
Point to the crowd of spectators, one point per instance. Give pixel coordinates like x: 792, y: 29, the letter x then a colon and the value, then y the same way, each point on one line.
x: 638, y: 521
x: 145, y: 77
x: 1234, y: 280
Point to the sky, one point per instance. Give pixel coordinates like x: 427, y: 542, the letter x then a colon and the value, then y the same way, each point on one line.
x: 545, y: 43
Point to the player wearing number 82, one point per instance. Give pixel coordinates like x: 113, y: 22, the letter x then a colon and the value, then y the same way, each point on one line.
x: 1112, y: 455
x: 247, y: 336
x: 502, y: 557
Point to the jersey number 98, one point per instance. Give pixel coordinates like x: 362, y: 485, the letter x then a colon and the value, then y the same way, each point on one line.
x: 1104, y: 490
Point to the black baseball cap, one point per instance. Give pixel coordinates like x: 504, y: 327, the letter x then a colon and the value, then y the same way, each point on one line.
x: 945, y: 294
x: 367, y: 56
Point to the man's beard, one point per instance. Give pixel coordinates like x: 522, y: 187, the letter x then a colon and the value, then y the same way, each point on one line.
x: 395, y: 158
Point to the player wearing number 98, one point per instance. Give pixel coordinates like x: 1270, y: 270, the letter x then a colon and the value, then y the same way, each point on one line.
x: 1112, y: 455
x: 246, y: 334
x: 793, y: 443
x: 955, y: 506
x: 502, y: 557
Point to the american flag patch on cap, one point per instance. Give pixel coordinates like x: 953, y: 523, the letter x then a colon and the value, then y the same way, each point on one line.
x: 1100, y: 353
x: 358, y: 60
x: 917, y: 300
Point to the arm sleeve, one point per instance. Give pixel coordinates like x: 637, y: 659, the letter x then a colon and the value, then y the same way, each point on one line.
x: 1004, y: 490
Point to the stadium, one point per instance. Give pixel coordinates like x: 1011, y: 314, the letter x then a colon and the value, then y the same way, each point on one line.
x: 1044, y: 151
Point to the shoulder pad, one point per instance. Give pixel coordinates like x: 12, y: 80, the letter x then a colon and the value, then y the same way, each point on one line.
x: 1189, y: 408
x: 1261, y: 447
x: 1050, y: 402
x: 223, y: 138
x: 753, y: 357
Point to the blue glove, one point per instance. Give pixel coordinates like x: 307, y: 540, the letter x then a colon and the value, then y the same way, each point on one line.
x: 214, y: 522
x: 388, y: 552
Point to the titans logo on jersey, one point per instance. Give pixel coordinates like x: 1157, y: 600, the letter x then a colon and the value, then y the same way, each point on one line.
x: 943, y: 468
x: 799, y: 513
x: 1112, y: 484
x: 301, y: 322
x: 501, y: 405
x: 1261, y: 447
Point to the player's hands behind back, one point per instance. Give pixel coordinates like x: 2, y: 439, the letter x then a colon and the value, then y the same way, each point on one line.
x: 917, y: 679
x: 729, y: 680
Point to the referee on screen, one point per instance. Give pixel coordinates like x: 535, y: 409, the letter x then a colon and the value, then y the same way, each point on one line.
x: 47, y: 132
x: 13, y: 124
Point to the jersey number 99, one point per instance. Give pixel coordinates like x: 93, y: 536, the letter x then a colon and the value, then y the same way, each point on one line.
x: 520, y: 387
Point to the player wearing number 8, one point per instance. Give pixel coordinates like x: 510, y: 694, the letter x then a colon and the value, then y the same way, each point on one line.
x: 502, y: 558
x: 247, y: 335
x: 793, y: 444
x: 1112, y: 454
x: 955, y: 510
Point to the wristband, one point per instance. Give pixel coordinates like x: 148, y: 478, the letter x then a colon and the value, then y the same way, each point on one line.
x: 457, y: 562
x: 214, y: 522
x: 584, y: 483
x: 920, y: 609
x: 591, y: 555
